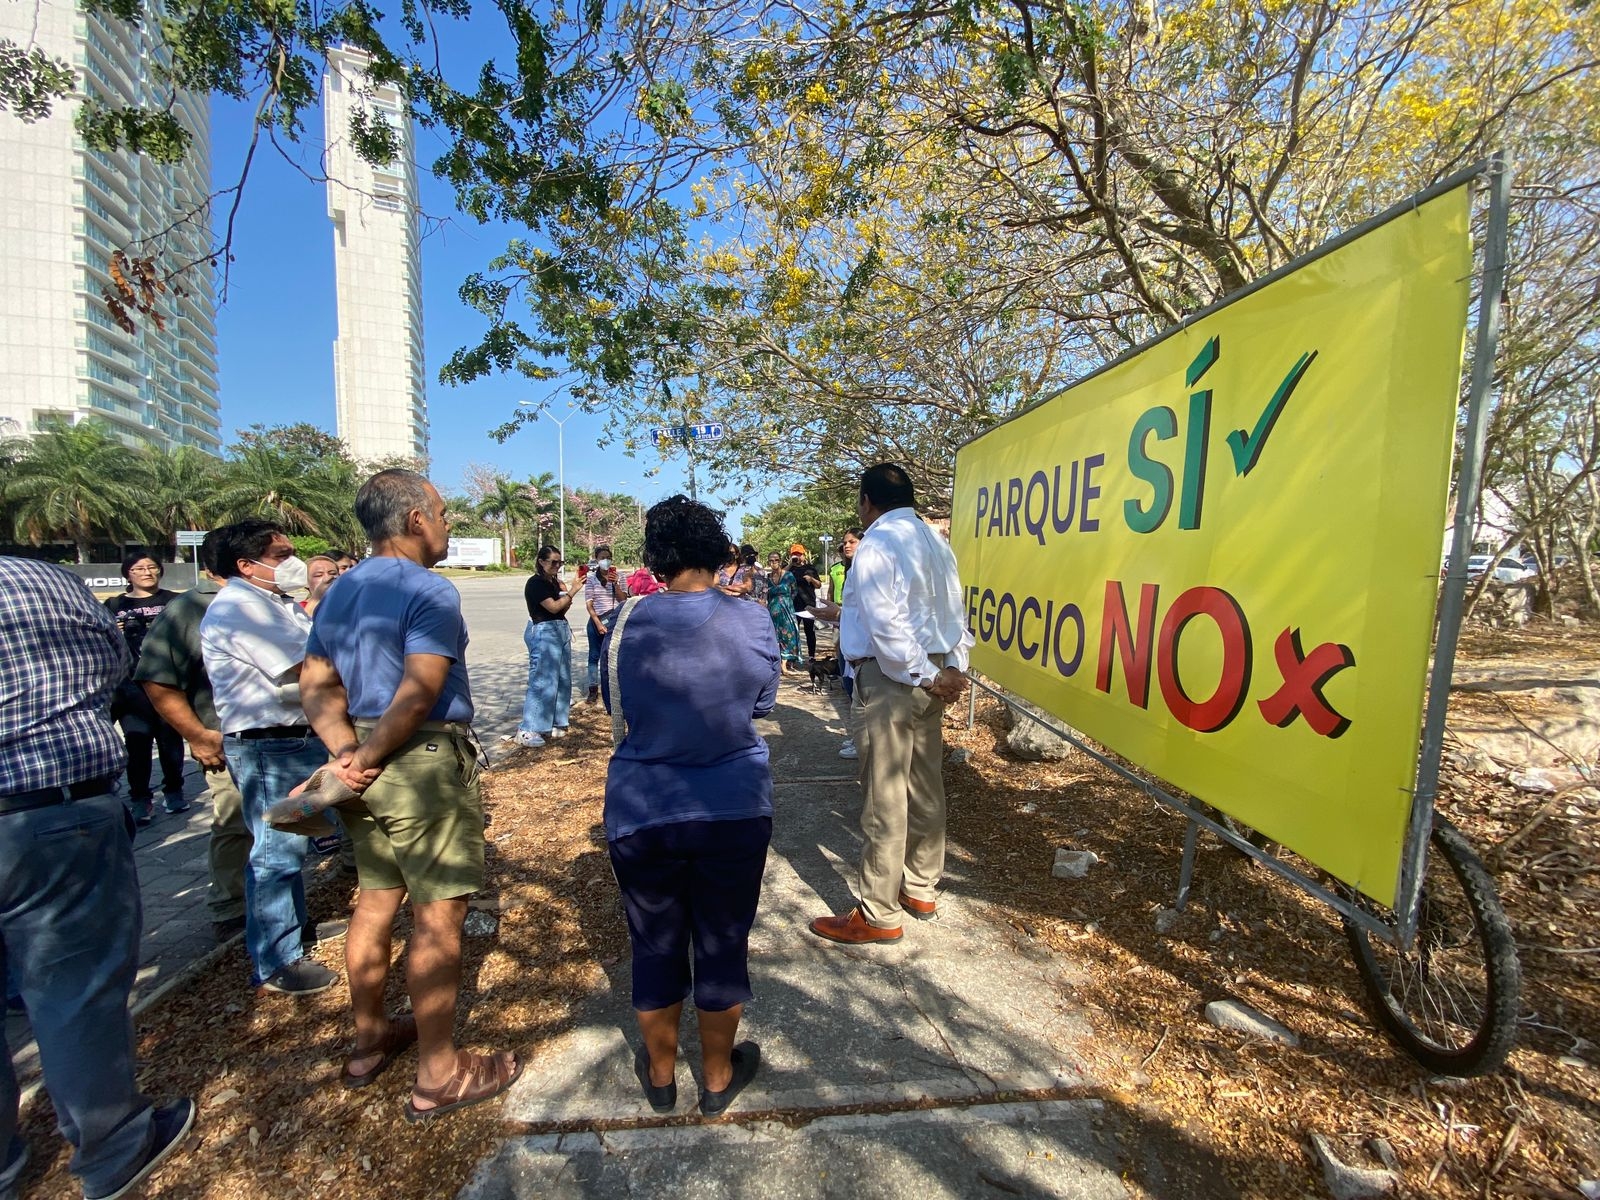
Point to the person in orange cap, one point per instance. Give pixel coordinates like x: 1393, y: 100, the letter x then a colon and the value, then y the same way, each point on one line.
x: 806, y: 583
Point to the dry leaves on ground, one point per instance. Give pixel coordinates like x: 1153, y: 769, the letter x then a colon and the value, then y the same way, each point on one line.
x: 274, y: 1122
x: 1243, y: 1110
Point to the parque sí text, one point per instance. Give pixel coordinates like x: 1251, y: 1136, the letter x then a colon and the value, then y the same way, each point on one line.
x: 1131, y: 632
x: 1065, y: 498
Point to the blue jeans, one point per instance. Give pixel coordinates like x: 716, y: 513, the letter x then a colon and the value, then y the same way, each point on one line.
x: 549, y: 699
x: 274, y: 890
x: 595, y: 638
x: 69, y: 938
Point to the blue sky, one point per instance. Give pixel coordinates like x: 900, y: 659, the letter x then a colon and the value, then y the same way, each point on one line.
x: 277, y: 325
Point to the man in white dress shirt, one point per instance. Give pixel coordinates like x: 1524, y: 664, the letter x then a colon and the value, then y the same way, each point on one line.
x: 253, y: 640
x: 903, y: 630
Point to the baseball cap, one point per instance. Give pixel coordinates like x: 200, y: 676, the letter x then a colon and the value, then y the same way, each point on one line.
x: 797, y: 548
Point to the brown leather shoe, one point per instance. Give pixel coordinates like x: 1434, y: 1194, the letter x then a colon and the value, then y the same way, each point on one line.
x: 853, y: 930
x: 922, y: 910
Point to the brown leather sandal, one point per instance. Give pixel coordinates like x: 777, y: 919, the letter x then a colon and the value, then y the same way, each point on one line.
x: 478, y: 1077
x: 402, y: 1033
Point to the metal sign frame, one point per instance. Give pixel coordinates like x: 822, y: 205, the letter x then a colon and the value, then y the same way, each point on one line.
x: 1496, y: 171
x: 709, y: 432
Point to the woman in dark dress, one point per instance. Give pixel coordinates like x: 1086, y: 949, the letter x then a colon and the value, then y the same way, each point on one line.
x: 135, y: 610
x: 688, y: 809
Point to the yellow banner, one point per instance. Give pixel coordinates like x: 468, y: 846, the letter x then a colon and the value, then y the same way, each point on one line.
x: 1219, y: 558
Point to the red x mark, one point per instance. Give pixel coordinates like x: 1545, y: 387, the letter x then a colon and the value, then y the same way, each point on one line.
x: 1304, y: 676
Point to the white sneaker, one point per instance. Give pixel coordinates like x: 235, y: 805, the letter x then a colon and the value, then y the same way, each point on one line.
x: 560, y: 731
x: 523, y: 738
x: 848, y: 750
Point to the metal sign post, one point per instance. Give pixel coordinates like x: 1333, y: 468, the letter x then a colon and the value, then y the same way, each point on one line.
x: 687, y: 436
x: 192, y: 538
x: 1452, y: 605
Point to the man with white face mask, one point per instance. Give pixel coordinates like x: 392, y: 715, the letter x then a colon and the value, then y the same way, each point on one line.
x: 253, y: 639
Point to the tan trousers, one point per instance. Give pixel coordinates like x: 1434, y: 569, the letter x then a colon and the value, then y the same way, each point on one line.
x: 899, y: 740
x: 229, y: 849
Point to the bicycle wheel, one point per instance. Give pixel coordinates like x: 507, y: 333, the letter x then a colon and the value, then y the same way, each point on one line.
x: 1451, y: 1000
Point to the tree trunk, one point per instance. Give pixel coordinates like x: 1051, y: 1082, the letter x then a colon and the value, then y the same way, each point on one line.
x: 1586, y: 576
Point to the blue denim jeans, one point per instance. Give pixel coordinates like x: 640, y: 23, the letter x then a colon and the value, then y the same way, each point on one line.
x: 274, y: 891
x: 69, y: 938
x: 595, y: 638
x: 549, y: 699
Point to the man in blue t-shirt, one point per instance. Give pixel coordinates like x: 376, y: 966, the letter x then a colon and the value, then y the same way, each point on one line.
x: 385, y: 686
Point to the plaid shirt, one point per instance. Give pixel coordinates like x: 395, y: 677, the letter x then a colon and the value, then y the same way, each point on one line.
x: 61, y: 659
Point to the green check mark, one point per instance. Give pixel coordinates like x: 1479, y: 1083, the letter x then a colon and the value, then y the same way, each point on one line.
x: 1247, y: 447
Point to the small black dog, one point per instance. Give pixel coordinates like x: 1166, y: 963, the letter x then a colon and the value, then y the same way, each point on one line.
x: 823, y: 672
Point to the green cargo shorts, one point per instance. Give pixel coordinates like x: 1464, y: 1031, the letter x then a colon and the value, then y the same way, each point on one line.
x: 420, y: 825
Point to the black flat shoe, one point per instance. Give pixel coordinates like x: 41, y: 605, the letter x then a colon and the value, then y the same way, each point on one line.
x: 746, y: 1058
x: 662, y: 1099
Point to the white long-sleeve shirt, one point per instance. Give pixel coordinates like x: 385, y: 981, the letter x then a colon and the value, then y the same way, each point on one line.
x: 252, y: 640
x: 904, y: 601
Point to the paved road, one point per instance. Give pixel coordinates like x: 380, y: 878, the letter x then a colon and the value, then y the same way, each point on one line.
x: 497, y: 659
x: 171, y: 853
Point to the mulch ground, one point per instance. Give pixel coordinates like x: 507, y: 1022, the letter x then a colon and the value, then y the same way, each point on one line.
x: 274, y: 1120
x: 1239, y: 1112
x: 1206, y: 1113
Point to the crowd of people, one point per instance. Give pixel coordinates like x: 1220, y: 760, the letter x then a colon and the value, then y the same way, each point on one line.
x: 791, y: 589
x: 360, y: 694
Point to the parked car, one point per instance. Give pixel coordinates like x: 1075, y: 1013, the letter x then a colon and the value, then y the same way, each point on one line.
x: 1507, y: 570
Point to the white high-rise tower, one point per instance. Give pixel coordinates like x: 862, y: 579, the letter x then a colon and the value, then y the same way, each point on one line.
x: 378, y: 369
x: 64, y: 210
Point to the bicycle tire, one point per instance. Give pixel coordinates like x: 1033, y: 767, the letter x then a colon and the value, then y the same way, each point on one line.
x: 1451, y: 1001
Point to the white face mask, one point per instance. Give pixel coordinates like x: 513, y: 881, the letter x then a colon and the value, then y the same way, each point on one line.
x: 292, y: 574
x: 603, y: 565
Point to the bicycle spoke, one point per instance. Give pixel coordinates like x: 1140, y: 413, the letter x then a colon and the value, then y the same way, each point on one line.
x: 1450, y: 999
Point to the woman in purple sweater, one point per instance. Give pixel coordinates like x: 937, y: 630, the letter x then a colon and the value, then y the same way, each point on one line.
x: 688, y: 809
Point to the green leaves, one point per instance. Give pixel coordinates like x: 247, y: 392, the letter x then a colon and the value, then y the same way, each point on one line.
x: 31, y: 81
x: 141, y: 131
x: 664, y: 106
x: 373, y: 137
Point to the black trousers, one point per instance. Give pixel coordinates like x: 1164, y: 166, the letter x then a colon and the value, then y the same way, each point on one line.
x: 168, y: 744
x: 691, y: 882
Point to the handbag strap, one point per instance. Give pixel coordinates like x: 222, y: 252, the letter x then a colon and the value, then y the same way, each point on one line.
x: 619, y: 728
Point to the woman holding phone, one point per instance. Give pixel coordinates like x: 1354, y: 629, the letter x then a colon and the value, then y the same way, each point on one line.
x: 548, y: 701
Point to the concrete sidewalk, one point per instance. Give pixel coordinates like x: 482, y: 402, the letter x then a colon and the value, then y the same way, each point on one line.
x: 939, y: 1065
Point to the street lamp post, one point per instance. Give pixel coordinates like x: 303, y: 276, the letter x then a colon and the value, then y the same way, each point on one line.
x: 561, y: 454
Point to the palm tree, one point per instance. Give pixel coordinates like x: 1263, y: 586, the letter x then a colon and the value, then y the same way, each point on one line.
x: 546, y: 497
x: 180, y: 489
x: 303, y: 497
x: 506, y: 503
x: 75, y: 482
